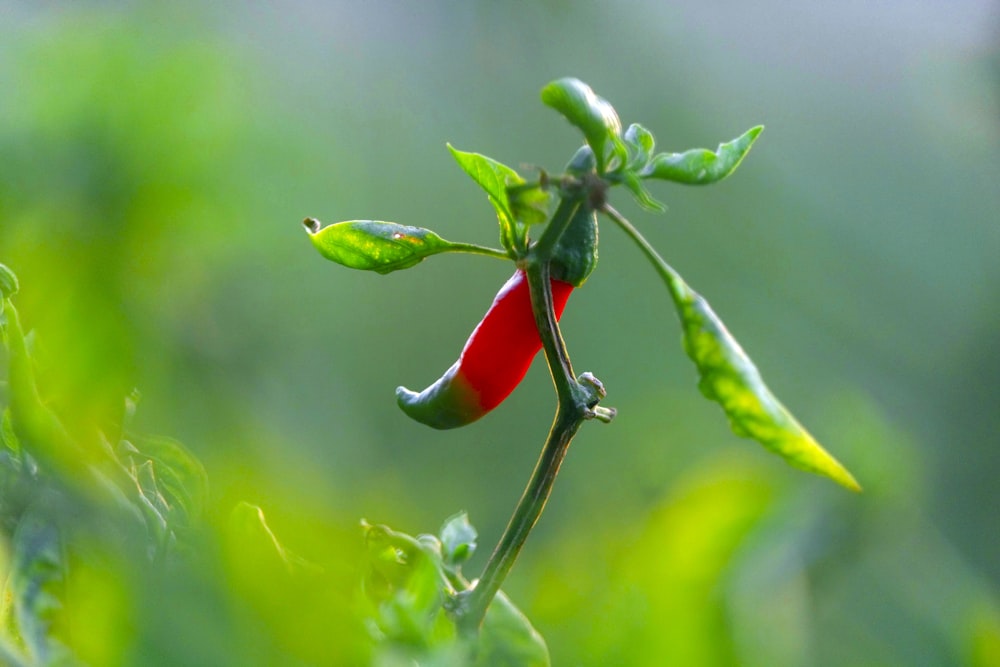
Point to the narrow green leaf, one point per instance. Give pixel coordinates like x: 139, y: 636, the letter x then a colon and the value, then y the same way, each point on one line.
x: 641, y: 194
x: 700, y: 166
x: 494, y: 178
x: 729, y: 377
x: 458, y: 539
x: 382, y: 247
x: 591, y: 114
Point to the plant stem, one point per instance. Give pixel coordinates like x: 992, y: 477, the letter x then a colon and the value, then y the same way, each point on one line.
x: 478, y: 250
x: 678, y: 289
x: 529, y: 509
x: 571, y: 412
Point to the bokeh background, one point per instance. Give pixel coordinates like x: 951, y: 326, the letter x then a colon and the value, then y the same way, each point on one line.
x: 156, y: 160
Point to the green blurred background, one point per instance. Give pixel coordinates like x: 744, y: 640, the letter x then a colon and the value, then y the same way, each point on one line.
x: 156, y: 162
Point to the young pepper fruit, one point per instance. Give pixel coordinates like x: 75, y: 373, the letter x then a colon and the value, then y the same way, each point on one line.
x: 493, y: 362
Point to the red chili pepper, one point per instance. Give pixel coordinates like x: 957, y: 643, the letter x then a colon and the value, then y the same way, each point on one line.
x: 493, y: 362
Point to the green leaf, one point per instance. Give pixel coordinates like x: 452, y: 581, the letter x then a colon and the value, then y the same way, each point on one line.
x: 641, y: 194
x: 729, y: 377
x: 374, y: 246
x: 529, y: 204
x: 700, y: 166
x: 180, y: 478
x: 508, y: 638
x: 495, y: 177
x: 458, y: 539
x: 382, y: 247
x: 403, y: 564
x: 593, y: 115
x: 641, y: 143
x: 8, y: 283
x: 404, y: 584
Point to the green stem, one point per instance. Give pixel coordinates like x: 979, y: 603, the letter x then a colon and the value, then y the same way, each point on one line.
x: 678, y: 288
x: 540, y: 288
x: 529, y: 509
x: 571, y: 412
x: 474, y: 249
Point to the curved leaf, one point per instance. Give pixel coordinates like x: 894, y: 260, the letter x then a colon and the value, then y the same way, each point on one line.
x: 729, y: 377
x: 593, y: 115
x: 641, y: 142
x: 700, y: 166
x: 634, y: 185
x: 494, y: 177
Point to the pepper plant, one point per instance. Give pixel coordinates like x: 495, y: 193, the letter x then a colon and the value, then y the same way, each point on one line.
x: 549, y: 231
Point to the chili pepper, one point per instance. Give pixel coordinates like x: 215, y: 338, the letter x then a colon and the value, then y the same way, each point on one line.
x: 493, y: 362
